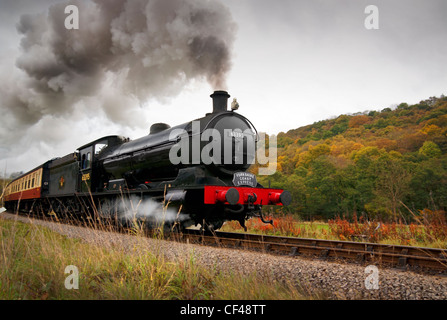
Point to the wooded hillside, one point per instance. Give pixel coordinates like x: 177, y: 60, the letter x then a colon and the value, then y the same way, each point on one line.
x: 385, y: 164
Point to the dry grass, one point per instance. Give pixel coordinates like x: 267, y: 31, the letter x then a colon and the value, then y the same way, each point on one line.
x: 33, y: 261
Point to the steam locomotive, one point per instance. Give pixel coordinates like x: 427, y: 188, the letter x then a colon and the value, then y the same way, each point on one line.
x: 197, y: 171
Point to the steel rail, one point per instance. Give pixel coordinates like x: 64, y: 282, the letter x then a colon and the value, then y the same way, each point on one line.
x: 394, y: 255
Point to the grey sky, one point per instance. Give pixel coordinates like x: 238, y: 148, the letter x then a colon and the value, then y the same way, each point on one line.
x: 293, y: 63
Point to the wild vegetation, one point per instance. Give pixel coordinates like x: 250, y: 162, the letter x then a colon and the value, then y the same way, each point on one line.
x: 33, y: 261
x: 379, y: 165
x: 3, y: 183
x: 428, y: 230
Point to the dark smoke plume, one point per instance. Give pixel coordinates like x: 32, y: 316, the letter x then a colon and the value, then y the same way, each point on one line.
x: 125, y: 51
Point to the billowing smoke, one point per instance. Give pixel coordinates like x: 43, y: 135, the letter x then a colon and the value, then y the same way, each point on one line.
x: 125, y: 53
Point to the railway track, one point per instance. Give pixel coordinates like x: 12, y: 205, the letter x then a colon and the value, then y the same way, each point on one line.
x: 404, y: 257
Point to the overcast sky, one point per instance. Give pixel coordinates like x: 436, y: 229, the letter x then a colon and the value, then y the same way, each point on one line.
x: 291, y: 63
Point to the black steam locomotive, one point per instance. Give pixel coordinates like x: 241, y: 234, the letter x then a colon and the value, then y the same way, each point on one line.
x: 197, y: 170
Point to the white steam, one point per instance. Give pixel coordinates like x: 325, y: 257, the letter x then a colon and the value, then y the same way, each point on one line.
x: 136, y: 209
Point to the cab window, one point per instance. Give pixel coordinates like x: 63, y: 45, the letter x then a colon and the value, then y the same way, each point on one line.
x: 100, y: 146
x: 86, y: 160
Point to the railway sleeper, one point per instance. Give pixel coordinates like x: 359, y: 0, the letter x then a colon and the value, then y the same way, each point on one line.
x: 361, y: 257
x: 402, y: 260
x: 324, y: 254
x: 267, y: 247
x: 294, y: 251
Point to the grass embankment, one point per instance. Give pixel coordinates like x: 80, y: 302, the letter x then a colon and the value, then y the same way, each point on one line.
x: 429, y: 230
x: 33, y: 261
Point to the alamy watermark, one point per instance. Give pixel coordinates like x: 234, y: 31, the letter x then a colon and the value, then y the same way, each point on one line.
x: 72, y: 281
x: 239, y: 147
x: 372, y: 280
x: 372, y: 20
x: 72, y: 20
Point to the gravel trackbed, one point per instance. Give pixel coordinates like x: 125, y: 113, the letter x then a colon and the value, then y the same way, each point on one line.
x: 335, y: 280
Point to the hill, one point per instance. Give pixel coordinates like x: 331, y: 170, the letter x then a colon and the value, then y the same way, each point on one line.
x: 389, y: 164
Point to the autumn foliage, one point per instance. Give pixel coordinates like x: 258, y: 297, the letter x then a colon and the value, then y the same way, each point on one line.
x: 431, y: 227
x: 382, y: 165
x: 428, y: 229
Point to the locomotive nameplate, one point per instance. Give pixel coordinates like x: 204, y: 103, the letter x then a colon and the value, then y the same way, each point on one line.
x: 244, y: 179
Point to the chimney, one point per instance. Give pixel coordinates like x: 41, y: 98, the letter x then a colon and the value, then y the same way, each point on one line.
x: 220, y: 101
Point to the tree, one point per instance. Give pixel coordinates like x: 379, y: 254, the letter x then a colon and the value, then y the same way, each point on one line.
x: 428, y: 185
x: 431, y: 130
x: 392, y: 184
x: 430, y: 149
x: 321, y: 188
x: 313, y: 153
x: 365, y: 155
x: 358, y: 121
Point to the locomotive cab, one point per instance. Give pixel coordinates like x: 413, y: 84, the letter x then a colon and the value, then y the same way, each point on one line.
x: 92, y: 176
